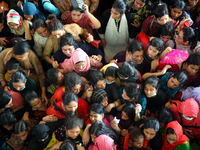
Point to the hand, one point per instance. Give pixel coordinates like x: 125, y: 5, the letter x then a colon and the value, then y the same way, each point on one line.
x: 124, y: 132
x: 136, y: 23
x: 114, y: 125
x: 7, y: 88
x: 165, y: 69
x: 96, y: 57
x: 167, y: 50
x: 138, y: 108
x: 168, y: 105
x: 44, y: 98
x: 25, y: 116
x: 26, y: 24
x: 90, y: 38
x: 151, y: 38
x: 86, y: 8
x: 197, y: 48
x: 78, y: 147
x: 3, y: 41
x: 143, y: 117
x: 85, y: 137
x: 49, y: 118
x: 113, y: 61
x: 188, y: 132
x: 42, y: 122
x: 109, y: 107
x: 55, y: 64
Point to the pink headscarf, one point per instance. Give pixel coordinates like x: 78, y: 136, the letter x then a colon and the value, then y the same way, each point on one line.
x: 77, y: 56
x: 14, y: 17
x: 103, y: 142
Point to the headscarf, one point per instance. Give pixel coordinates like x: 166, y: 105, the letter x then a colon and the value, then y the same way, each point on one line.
x: 103, y: 142
x: 77, y: 56
x: 179, y: 134
x: 98, y: 95
x: 14, y: 17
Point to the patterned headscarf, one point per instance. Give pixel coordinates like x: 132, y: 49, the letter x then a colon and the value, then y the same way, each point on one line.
x: 98, y: 95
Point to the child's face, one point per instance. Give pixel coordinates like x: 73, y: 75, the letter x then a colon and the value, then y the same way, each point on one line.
x: 149, y: 90
x: 163, y: 20
x: 192, y: 3
x: 165, y: 38
x: 73, y: 133
x: 192, y: 69
x: 175, y: 13
x: 104, y: 102
x: 138, y: 144
x: 76, y: 15
x: 95, y: 117
x: 171, y: 138
x: 80, y: 65
x: 152, y: 52
x: 173, y: 83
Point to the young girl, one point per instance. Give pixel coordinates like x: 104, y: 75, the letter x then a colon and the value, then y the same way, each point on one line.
x: 21, y: 84
x: 151, y: 24
x: 71, y: 129
x: 134, y: 140
x: 155, y: 97
x: 174, y: 138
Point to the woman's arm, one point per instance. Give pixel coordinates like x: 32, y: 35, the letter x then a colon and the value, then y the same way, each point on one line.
x: 27, y: 30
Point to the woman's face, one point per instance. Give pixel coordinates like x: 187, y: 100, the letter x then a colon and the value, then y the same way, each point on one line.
x: 171, y: 138
x: 19, y: 85
x: 58, y: 33
x: 137, y: 56
x: 1, y: 26
x: 27, y: 17
x: 13, y: 26
x: 192, y: 69
x: 124, y: 95
x: 68, y: 50
x: 71, y: 107
x: 10, y: 104
x: 104, y: 102
x: 124, y: 116
x: 149, y: 133
x: 43, y: 31
x: 60, y: 78
x: 192, y: 3
x: 137, y: 144
x: 101, y: 84
x: 36, y: 103
x: 138, y: 4
x: 163, y: 20
x: 80, y: 65
x: 149, y: 90
x: 176, y: 12
x: 22, y: 57
x: 93, y: 137
x: 152, y: 52
x: 165, y: 38
x: 180, y: 40
x: 76, y: 15
x: 95, y: 116
x: 23, y: 135
x: 173, y: 83
x: 110, y: 79
x: 73, y: 133
x: 115, y: 14
x: 76, y: 89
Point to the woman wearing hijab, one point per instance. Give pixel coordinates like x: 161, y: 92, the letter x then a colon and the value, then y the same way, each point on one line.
x: 174, y: 138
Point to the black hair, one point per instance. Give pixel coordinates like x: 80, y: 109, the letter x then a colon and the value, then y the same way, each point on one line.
x: 12, y: 64
x: 71, y: 80
x: 7, y: 117
x: 135, y: 134
x: 5, y: 99
x: 68, y: 39
x: 161, y: 10
x: 129, y: 109
x: 127, y: 69
x: 21, y: 46
x: 95, y: 77
x: 77, y: 9
x: 99, y: 128
x: 135, y: 46
x: 158, y: 43
x: 181, y: 76
x: 165, y: 116
x: 54, y: 24
x: 167, y: 30
x: 68, y: 144
x: 97, y: 108
x: 39, y: 22
x: 178, y: 4
x: 19, y: 76
x: 111, y: 72
x: 152, y: 80
x: 51, y: 76
x: 151, y: 122
x: 69, y: 97
x: 190, y: 35
x: 133, y: 90
x: 193, y: 59
x: 29, y: 96
x: 20, y: 126
x: 120, y: 6
x: 72, y: 121
x: 170, y: 131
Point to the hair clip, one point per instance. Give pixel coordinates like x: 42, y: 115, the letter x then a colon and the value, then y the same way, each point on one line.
x: 138, y: 86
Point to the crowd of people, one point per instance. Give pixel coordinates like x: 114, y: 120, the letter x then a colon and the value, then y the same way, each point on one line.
x: 100, y: 75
